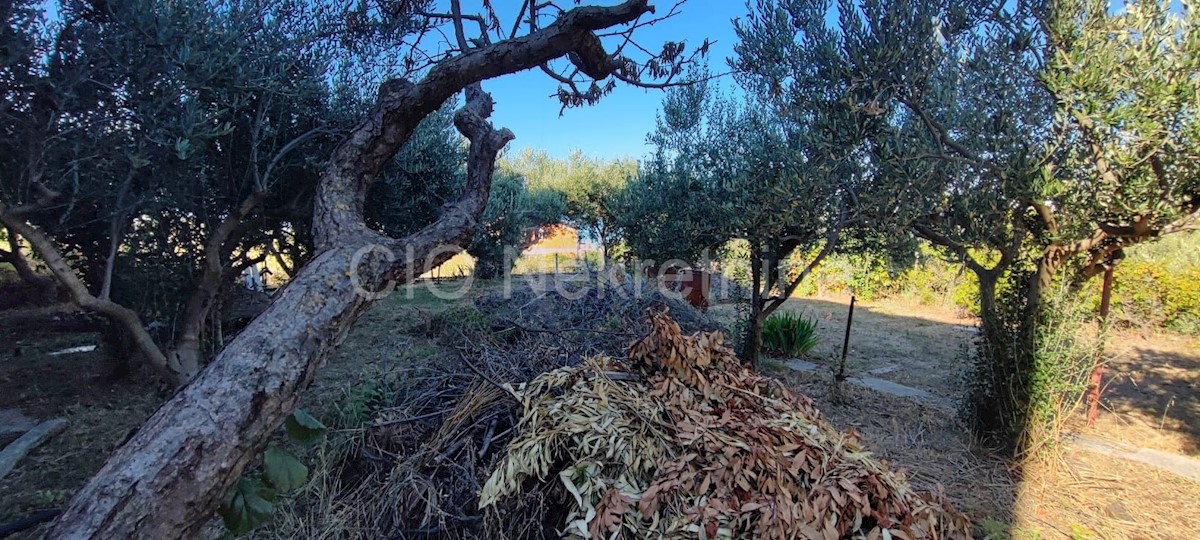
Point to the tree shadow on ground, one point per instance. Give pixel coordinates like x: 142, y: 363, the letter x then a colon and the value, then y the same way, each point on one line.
x: 920, y: 347
x: 1155, y: 391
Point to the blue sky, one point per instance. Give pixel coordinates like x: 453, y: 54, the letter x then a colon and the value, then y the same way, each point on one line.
x: 617, y: 126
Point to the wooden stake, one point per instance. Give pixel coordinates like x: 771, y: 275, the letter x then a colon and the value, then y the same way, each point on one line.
x: 1097, y: 378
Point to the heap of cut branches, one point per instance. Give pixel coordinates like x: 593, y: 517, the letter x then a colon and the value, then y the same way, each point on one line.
x: 430, y: 437
x: 679, y: 440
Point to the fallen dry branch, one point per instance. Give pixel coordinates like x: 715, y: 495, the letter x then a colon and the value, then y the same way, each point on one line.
x: 16, y: 450
x: 674, y: 439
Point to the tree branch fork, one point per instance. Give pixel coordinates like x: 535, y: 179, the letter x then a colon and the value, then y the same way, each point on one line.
x: 166, y: 481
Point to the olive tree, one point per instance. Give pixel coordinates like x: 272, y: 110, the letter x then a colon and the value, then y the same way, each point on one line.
x: 587, y: 185
x: 154, y: 135
x: 512, y: 210
x: 799, y: 166
x: 168, y: 478
x: 664, y: 213
x: 1057, y: 132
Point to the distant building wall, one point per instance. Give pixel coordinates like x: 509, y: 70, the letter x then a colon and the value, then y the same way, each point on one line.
x: 552, y: 239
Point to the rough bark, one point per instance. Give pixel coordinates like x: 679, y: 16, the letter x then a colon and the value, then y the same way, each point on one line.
x: 1047, y: 267
x: 987, y: 297
x: 167, y: 480
x: 186, y: 352
x: 752, y: 344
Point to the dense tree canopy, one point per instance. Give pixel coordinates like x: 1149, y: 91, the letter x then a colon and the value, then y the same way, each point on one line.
x: 1020, y: 139
x: 179, y: 144
x: 787, y: 165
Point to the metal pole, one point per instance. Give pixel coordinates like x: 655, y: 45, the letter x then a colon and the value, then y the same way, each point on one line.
x: 846, y: 341
x: 839, y: 376
x: 1094, y: 384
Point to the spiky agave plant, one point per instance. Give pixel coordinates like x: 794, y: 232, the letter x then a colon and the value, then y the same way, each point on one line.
x: 789, y: 334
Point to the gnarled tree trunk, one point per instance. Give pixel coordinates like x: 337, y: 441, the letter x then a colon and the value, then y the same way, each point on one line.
x: 170, y: 477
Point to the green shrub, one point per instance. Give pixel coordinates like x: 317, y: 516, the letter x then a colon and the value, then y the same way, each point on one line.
x: 1030, y: 370
x: 1148, y: 293
x: 733, y: 260
x: 1157, y: 286
x: 789, y: 334
x: 867, y: 276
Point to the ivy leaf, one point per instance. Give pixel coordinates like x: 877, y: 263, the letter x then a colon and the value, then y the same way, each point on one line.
x: 283, y: 470
x: 250, y: 505
x: 303, y: 428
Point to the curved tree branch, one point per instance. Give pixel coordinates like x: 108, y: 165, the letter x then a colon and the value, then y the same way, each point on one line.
x: 167, y: 480
x: 24, y: 270
x: 402, y: 105
x: 124, y: 316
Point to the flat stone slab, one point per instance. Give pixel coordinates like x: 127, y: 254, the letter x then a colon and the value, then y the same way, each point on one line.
x: 897, y: 389
x: 802, y: 365
x: 880, y: 385
x: 1178, y: 465
x: 74, y: 350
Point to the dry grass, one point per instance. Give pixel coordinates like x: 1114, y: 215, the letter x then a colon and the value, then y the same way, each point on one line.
x: 1152, y: 392
x: 1081, y: 495
x: 919, y: 346
x: 1151, y: 402
x: 928, y: 443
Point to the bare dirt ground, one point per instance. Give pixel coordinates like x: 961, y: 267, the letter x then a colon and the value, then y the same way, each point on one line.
x: 101, y: 411
x: 1152, y: 392
x: 1151, y: 400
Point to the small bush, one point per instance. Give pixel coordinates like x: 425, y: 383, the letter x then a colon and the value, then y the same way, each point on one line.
x: 1153, y: 293
x: 789, y: 334
x: 1030, y: 369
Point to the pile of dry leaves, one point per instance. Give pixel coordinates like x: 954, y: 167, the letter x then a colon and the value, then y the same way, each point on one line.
x: 679, y: 440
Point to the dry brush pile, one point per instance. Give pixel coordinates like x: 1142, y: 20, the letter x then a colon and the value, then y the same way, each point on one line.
x: 674, y: 439
x: 679, y: 440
